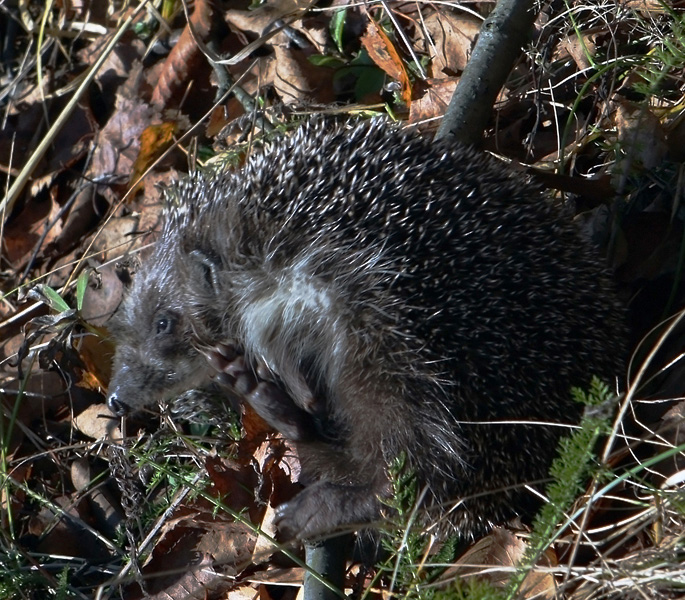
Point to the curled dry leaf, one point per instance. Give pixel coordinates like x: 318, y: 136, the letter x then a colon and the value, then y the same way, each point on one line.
x: 118, y: 143
x: 648, y: 7
x: 580, y: 48
x: 263, y: 17
x: 201, y: 528
x: 641, y: 134
x: 154, y: 140
x: 105, y: 510
x: 59, y: 530
x: 96, y: 350
x: 186, y: 57
x: 25, y: 231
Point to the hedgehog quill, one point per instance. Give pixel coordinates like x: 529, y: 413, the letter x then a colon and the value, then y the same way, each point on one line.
x: 372, y: 293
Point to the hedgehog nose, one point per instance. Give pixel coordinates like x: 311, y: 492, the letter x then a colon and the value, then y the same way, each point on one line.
x: 117, y: 406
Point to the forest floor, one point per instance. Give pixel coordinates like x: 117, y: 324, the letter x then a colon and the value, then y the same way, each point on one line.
x: 105, y: 104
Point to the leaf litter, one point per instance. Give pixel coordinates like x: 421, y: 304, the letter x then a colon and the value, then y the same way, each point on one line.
x: 594, y: 108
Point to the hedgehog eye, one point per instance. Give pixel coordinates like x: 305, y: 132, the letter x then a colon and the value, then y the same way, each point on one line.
x: 164, y: 324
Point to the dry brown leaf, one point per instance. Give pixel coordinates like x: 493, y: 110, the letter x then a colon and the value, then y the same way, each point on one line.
x: 118, y: 143
x: 503, y: 549
x: 78, y: 223
x: 185, y: 59
x: 580, y: 49
x: 192, y: 583
x: 233, y: 482
x: 66, y: 536
x: 292, y: 576
x: 32, y: 95
x: 44, y: 399
x: 96, y: 350
x: 382, y: 51
x: 24, y: 231
x: 99, y: 423
x: 298, y: 81
x: 453, y: 36
x: 264, y: 548
x: 225, y: 547
x: 103, y: 296
x: 105, y: 510
x: 435, y: 100
x: 154, y: 140
x: 244, y: 592
x: 641, y: 134
x: 647, y: 7
x: 117, y: 237
x: 255, y: 430
x: 500, y: 548
x: 264, y: 16
x: 13, y: 497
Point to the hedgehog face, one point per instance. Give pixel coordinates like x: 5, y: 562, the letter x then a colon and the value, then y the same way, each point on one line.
x: 155, y: 358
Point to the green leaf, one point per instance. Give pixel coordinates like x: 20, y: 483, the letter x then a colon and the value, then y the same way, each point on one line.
x: 323, y: 60
x: 337, y: 26
x: 48, y: 296
x: 81, y: 286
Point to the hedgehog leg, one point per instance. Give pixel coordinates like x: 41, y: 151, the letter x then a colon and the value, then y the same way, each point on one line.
x: 268, y: 400
x: 345, y: 480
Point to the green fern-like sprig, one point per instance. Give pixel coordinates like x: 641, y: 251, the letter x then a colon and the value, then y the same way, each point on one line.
x: 575, y: 463
x: 411, y: 564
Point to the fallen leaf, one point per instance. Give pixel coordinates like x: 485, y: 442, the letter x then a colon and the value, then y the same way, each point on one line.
x: 647, y: 7
x: 154, y: 140
x: 453, y: 36
x: 434, y: 101
x: 118, y: 143
x: 580, y: 48
x: 22, y: 233
x: 503, y: 549
x: 383, y: 53
x: 641, y: 134
x: 99, y: 423
x: 298, y: 81
x: 186, y: 59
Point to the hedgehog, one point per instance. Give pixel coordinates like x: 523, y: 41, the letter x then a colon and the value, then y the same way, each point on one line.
x: 376, y: 296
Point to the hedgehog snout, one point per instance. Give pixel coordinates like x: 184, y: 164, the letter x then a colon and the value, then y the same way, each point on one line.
x: 117, y: 406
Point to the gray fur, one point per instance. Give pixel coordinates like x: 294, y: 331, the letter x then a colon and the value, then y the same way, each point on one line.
x: 407, y: 296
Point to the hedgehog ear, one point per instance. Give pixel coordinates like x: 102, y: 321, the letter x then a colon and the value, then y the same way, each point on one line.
x: 206, y: 269
x: 126, y: 269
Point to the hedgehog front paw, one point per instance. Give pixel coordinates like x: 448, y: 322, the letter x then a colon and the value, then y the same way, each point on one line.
x: 326, y: 508
x: 268, y: 400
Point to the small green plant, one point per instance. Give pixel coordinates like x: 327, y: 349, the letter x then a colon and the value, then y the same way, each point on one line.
x: 21, y: 580
x: 570, y: 470
x: 666, y: 58
x: 471, y: 588
x: 411, y: 564
x: 60, y: 324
